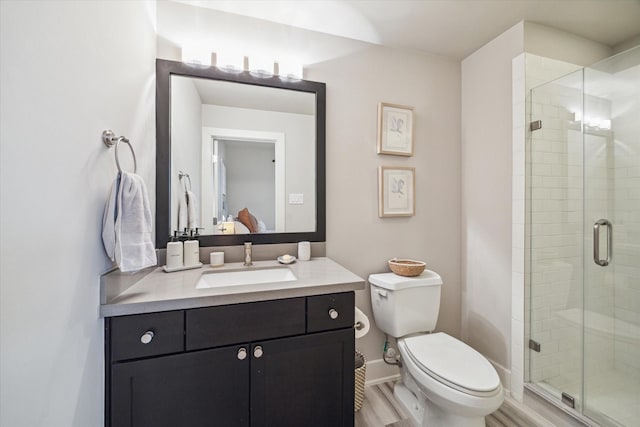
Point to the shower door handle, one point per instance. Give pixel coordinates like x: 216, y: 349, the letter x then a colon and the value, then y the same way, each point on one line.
x: 596, y: 242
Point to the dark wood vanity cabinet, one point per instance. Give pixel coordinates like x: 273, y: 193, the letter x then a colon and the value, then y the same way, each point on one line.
x: 268, y: 363
x: 188, y: 389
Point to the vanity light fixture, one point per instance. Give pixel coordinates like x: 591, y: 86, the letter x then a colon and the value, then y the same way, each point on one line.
x: 604, y: 124
x: 192, y: 55
x: 261, y: 66
x: 592, y: 122
x: 289, y: 70
x: 230, y: 61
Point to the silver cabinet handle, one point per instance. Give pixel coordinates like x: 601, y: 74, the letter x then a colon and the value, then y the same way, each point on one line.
x: 257, y: 352
x: 596, y: 242
x: 242, y: 353
x: 333, y: 313
x: 147, y: 337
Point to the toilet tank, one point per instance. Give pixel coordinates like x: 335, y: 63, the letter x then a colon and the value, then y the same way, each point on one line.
x: 405, y: 305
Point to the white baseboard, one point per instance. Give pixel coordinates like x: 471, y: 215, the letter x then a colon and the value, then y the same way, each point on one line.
x: 379, y: 372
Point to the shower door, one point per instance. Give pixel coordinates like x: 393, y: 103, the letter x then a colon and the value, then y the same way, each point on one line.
x: 611, y: 134
x: 555, y: 170
x: 584, y: 241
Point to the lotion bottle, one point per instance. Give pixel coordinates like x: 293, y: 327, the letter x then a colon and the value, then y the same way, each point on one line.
x: 191, y: 253
x: 175, y: 253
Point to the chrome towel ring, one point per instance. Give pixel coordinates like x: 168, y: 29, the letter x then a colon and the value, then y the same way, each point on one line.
x: 110, y: 139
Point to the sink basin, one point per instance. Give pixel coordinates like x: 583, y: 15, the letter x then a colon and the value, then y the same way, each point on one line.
x: 245, y: 277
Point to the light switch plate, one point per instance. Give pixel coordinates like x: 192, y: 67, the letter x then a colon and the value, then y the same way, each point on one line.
x: 296, y: 198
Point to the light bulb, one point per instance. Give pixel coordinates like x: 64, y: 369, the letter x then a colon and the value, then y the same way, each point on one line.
x: 230, y: 61
x: 261, y: 66
x: 290, y: 69
x: 192, y: 55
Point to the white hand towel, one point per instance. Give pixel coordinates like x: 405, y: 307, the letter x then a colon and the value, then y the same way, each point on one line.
x: 131, y: 241
x: 192, y: 210
x: 109, y: 220
x: 183, y: 211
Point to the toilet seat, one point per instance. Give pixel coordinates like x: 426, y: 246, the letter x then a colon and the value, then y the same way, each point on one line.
x: 453, y: 363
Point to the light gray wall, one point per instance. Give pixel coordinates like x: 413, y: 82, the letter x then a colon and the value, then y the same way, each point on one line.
x: 486, y: 195
x: 68, y: 70
x: 356, y: 237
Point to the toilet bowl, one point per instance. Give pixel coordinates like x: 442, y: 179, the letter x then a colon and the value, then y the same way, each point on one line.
x: 452, y: 384
x: 444, y: 381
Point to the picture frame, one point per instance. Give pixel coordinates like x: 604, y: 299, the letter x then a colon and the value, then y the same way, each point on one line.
x: 395, y: 129
x: 396, y: 191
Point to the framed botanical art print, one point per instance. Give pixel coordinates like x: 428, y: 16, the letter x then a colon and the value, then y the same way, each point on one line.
x: 396, y: 191
x: 395, y: 129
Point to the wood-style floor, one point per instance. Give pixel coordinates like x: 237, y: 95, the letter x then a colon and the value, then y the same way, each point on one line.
x: 380, y: 409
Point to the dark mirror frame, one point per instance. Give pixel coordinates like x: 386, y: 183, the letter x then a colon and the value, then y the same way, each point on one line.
x: 164, y: 70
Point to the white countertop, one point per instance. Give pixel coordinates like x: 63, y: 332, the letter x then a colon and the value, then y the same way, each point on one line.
x: 160, y: 291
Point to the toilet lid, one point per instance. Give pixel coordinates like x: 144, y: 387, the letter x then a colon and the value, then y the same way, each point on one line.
x: 453, y: 362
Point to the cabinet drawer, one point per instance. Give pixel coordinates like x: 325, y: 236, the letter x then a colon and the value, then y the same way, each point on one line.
x: 333, y: 311
x: 238, y: 323
x: 127, y: 342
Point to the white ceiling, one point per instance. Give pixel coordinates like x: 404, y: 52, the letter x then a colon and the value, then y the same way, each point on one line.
x: 453, y: 28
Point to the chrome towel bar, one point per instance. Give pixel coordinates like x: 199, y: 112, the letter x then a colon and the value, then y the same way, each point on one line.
x: 110, y: 139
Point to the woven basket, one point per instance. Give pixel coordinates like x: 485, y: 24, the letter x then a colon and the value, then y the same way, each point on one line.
x: 360, y: 373
x: 406, y: 267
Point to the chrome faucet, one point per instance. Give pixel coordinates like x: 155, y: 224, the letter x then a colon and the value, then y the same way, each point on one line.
x: 247, y: 254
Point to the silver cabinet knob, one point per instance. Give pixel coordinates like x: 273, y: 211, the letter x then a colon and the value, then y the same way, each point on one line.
x: 257, y: 352
x: 242, y: 353
x: 146, y: 337
x: 333, y: 313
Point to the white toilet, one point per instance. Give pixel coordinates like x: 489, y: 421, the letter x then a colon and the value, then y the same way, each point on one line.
x: 444, y: 381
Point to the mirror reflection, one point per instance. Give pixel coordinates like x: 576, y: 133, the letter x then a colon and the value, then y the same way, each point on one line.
x: 243, y: 158
x: 238, y: 155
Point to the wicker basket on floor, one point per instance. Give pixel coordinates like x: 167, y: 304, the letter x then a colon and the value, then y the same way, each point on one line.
x: 360, y: 373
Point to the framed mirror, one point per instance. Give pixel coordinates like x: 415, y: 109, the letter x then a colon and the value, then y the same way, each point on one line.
x: 240, y: 157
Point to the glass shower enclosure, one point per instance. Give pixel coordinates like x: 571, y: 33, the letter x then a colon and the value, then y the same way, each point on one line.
x: 583, y: 238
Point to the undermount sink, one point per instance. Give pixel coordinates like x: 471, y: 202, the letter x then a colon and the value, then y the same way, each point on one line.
x: 245, y: 277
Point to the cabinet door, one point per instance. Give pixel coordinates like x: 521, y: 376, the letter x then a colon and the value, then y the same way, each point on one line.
x: 303, y: 381
x: 204, y: 388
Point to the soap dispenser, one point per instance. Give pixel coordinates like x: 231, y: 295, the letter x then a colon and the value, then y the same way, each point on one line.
x: 191, y: 252
x: 175, y: 253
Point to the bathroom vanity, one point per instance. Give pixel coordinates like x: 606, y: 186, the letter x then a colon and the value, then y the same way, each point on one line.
x: 276, y: 354
x: 266, y: 345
